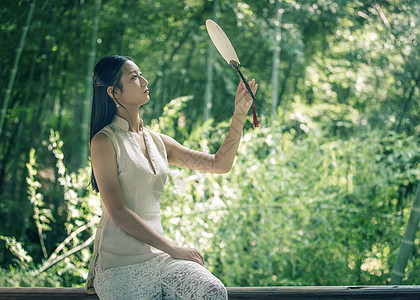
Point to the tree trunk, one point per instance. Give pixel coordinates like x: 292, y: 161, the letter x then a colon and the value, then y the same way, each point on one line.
x: 22, y: 120
x: 284, y: 83
x: 122, y: 27
x: 208, y: 94
x: 19, y: 49
x: 86, y: 103
x: 407, y: 242
x: 276, y: 64
x: 79, y: 13
x: 407, y: 102
x: 186, y: 80
x: 11, y: 206
x: 41, y: 91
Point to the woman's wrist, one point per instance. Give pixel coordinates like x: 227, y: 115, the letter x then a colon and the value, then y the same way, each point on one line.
x: 172, y: 250
x: 237, y: 114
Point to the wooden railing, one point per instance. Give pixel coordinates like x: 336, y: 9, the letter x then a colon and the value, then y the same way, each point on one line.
x: 301, y: 292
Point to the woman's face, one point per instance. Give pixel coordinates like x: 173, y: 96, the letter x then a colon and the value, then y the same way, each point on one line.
x: 135, y: 91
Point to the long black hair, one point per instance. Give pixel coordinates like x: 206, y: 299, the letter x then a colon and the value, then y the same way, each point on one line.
x: 107, y: 72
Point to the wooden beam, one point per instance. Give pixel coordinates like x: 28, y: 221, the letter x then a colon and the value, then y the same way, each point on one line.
x: 283, y: 292
x: 326, y: 292
x: 38, y: 293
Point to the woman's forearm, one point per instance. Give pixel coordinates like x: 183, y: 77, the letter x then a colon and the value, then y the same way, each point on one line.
x: 225, y: 156
x: 134, y: 225
x: 131, y: 223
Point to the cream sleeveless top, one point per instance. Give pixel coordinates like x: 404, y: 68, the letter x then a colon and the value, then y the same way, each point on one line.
x: 141, y: 188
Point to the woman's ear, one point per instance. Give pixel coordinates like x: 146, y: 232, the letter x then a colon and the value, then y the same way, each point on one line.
x: 109, y: 91
x: 116, y: 92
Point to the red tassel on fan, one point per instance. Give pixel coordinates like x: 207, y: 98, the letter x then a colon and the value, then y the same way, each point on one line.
x: 254, y: 115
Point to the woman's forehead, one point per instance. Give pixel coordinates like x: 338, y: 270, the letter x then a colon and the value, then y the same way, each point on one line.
x: 129, y: 66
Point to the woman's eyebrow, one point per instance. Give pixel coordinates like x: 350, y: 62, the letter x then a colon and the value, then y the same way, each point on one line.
x: 134, y: 71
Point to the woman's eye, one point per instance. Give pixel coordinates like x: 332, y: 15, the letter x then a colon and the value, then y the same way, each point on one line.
x: 135, y: 76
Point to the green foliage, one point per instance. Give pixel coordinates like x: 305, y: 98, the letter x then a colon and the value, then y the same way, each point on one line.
x: 316, y: 199
x: 18, y: 251
x: 42, y: 215
x: 82, y: 211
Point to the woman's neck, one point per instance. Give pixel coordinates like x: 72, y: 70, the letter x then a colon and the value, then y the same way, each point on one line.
x: 132, y: 117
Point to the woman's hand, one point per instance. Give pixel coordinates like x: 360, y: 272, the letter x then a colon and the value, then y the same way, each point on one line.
x: 188, y: 254
x: 243, y: 100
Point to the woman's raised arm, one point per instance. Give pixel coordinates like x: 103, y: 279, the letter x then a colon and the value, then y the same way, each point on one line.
x: 222, y: 161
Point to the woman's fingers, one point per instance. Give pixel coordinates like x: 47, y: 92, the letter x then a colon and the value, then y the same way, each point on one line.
x: 200, y: 257
x: 188, y: 254
x: 252, y: 85
x: 243, y: 98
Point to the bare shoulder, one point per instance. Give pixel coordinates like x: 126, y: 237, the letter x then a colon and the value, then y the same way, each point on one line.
x: 100, y: 137
x: 165, y: 137
x: 169, y: 142
x: 101, y: 144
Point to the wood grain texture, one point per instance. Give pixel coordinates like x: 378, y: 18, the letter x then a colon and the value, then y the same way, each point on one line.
x: 301, y: 292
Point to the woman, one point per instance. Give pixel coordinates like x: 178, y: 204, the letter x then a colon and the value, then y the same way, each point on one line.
x: 132, y: 259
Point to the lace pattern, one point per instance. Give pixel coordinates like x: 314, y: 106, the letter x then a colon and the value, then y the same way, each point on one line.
x: 161, y: 277
x: 119, y: 130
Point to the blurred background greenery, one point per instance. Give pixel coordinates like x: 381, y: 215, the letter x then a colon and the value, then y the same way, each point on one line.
x: 319, y: 194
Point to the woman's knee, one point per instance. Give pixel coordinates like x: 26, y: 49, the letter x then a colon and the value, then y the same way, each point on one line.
x: 192, y: 281
x: 211, y: 288
x: 216, y: 290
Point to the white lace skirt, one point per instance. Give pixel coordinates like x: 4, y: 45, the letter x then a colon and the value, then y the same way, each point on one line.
x: 162, y: 277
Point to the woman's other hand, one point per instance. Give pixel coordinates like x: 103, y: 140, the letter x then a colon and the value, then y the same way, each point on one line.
x: 188, y: 254
x: 243, y: 100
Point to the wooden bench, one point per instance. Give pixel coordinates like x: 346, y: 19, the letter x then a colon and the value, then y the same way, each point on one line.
x: 286, y: 292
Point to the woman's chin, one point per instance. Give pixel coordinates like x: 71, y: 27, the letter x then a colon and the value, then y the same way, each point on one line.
x: 147, y: 99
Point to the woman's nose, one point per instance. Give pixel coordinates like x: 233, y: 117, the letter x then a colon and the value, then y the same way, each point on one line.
x: 144, y: 81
